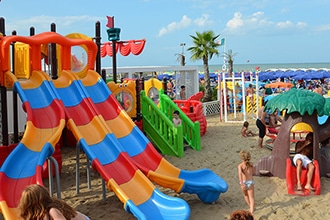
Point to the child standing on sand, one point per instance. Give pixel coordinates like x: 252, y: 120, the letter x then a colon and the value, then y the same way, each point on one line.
x: 245, y: 176
x: 245, y: 132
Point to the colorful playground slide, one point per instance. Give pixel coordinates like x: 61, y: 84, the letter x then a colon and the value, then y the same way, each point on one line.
x: 291, y: 179
x: 205, y: 183
x: 45, y: 122
x: 139, y: 196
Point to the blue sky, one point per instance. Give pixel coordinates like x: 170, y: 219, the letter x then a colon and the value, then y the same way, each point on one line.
x: 266, y: 31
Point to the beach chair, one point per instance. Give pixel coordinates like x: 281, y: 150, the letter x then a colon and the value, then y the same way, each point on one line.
x: 291, y: 179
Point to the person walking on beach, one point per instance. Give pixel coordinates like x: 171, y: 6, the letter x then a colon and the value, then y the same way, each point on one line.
x: 245, y: 176
x: 302, y: 158
x: 261, y: 124
x: 36, y: 203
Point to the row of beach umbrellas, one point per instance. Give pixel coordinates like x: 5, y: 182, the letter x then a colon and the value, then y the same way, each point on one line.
x: 297, y: 74
x: 271, y: 74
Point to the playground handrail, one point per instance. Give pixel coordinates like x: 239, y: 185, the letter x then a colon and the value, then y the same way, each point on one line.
x: 160, y: 129
x: 191, y: 130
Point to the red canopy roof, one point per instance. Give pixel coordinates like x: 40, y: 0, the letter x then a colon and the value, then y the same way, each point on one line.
x: 125, y: 47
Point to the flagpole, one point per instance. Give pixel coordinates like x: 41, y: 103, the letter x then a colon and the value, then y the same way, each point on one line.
x: 224, y: 50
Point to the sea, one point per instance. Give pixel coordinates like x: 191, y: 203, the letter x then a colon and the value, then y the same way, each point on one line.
x: 265, y: 66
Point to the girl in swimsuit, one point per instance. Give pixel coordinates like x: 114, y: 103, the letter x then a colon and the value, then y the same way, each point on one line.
x: 37, y: 204
x: 245, y: 176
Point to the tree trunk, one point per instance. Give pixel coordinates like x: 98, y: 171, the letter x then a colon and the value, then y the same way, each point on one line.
x: 230, y: 68
x: 207, y: 82
x: 183, y: 60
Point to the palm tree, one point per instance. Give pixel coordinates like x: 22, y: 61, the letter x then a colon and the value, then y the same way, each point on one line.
x: 181, y: 58
x: 205, y: 46
x: 230, y: 60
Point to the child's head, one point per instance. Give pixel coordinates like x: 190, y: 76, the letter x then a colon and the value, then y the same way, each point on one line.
x: 36, y: 201
x: 241, y: 214
x: 35, y: 196
x: 246, y: 124
x: 176, y: 113
x: 245, y: 155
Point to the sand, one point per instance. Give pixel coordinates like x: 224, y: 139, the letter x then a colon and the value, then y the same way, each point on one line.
x: 220, y: 153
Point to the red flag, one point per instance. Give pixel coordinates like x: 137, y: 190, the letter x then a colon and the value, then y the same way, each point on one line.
x: 111, y: 22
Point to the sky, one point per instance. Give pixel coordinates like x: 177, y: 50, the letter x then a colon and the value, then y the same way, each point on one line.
x: 258, y: 32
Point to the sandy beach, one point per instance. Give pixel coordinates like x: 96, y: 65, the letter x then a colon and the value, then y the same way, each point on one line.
x: 220, y: 153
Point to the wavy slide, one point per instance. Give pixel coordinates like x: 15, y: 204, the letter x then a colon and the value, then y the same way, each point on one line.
x: 45, y: 122
x: 139, y: 196
x: 205, y: 183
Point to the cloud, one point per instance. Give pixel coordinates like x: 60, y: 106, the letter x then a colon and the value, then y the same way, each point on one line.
x: 258, y: 23
x: 203, y: 21
x: 284, y: 24
x: 323, y: 27
x: 185, y: 22
x: 42, y: 23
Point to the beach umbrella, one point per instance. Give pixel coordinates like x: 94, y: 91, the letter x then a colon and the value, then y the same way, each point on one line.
x: 162, y: 76
x: 267, y: 75
x: 289, y: 73
x: 323, y: 73
x: 280, y: 74
x: 279, y: 85
x: 311, y: 74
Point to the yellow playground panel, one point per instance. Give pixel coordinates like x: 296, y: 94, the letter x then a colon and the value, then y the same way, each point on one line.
x: 125, y: 93
x: 152, y: 87
x: 301, y: 129
x: 301, y: 126
x: 250, y: 106
x: 22, y: 60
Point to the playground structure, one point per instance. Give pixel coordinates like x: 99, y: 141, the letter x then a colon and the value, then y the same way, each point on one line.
x: 233, y: 99
x: 127, y: 91
x: 181, y: 75
x: 157, y: 113
x: 193, y: 108
x: 79, y: 100
x: 303, y: 109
